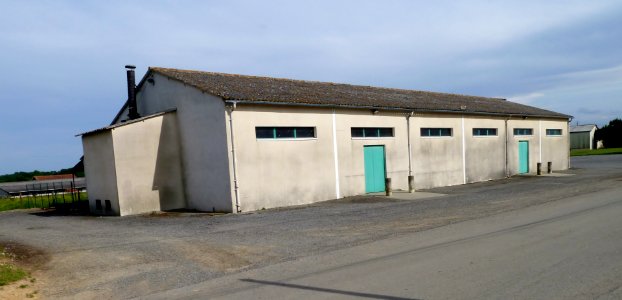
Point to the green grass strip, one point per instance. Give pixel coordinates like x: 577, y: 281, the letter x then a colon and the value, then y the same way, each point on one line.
x: 583, y: 152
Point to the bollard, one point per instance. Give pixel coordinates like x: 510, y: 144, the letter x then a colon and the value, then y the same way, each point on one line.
x: 411, y: 184
x: 387, y: 186
x: 549, y: 167
x: 539, y: 168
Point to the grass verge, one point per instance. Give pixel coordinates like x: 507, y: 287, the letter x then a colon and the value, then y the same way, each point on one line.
x: 583, y: 152
x: 42, y: 201
x: 10, y: 273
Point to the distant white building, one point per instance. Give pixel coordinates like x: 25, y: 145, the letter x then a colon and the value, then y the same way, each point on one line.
x: 229, y: 143
x: 582, y: 136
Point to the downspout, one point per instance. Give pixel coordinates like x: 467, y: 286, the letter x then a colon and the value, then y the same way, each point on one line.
x: 236, y: 188
x: 507, y: 169
x: 464, y: 176
x: 411, y: 178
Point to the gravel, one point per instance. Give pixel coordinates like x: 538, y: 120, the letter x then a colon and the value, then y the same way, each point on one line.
x: 113, y: 257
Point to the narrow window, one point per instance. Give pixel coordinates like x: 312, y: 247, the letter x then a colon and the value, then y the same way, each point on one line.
x: 554, y: 132
x: 523, y: 131
x: 484, y: 131
x: 429, y: 132
x: 371, y: 132
x: 284, y: 132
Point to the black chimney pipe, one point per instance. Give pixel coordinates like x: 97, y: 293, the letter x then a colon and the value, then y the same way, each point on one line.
x: 131, y: 93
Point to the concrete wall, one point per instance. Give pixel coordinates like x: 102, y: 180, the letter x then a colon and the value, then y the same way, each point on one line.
x: 100, y: 171
x: 148, y: 165
x: 555, y: 149
x: 283, y: 172
x: 485, y: 155
x: 350, y: 150
x: 437, y: 161
x: 202, y: 136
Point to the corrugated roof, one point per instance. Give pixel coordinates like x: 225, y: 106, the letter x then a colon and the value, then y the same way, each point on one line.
x: 289, y: 91
x: 582, y: 128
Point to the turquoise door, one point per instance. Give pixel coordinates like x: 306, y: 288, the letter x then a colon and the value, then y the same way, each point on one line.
x: 374, y: 168
x: 523, y: 157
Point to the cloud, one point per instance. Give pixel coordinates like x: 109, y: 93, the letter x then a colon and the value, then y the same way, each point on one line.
x: 63, y: 61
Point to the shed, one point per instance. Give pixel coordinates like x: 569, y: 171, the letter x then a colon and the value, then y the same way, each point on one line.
x: 230, y: 143
x: 582, y: 136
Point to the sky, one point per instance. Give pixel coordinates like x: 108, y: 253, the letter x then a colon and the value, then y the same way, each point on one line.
x: 62, y: 62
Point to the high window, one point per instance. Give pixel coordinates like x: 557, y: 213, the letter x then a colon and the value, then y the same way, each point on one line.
x: 285, y: 132
x: 554, y: 132
x: 371, y: 132
x: 436, y: 131
x: 523, y: 131
x: 484, y: 131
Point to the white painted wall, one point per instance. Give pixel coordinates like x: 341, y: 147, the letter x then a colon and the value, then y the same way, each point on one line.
x: 99, y: 167
x: 350, y: 150
x: 437, y: 161
x: 148, y: 165
x: 485, y: 155
x: 202, y: 136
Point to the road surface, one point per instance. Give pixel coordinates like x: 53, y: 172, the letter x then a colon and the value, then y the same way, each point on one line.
x: 569, y: 249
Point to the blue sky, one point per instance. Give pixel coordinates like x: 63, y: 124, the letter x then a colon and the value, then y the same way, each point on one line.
x: 62, y: 61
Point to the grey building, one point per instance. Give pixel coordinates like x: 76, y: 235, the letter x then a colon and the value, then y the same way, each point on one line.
x: 582, y: 136
x: 222, y: 142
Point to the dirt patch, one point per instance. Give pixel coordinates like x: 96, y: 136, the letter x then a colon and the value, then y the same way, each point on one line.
x: 27, y: 258
x: 223, y: 258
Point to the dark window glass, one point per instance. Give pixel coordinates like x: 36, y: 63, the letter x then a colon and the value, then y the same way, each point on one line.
x: 484, y: 131
x: 356, y: 132
x: 305, y: 132
x: 553, y: 132
x: 523, y: 131
x: 264, y: 132
x: 371, y: 132
x: 285, y: 132
x: 436, y: 131
x: 385, y: 132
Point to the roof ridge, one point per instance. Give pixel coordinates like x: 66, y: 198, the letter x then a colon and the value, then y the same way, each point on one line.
x: 160, y: 69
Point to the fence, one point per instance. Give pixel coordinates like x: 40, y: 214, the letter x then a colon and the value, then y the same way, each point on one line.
x: 52, y: 194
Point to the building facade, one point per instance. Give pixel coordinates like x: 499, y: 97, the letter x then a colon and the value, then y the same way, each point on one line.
x: 230, y: 143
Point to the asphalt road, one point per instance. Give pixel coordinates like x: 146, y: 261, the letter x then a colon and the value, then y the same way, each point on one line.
x: 568, y: 249
x: 87, y: 257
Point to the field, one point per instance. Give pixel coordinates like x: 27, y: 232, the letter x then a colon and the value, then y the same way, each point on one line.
x: 41, y: 201
x: 583, y: 152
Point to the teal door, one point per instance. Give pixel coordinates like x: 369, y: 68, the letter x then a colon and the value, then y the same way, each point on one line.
x: 374, y: 168
x: 523, y: 157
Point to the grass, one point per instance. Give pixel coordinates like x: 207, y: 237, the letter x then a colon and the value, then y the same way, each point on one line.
x: 583, y: 152
x: 38, y: 201
x: 10, y: 273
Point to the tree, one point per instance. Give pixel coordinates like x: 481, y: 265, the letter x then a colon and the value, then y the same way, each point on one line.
x: 611, y: 134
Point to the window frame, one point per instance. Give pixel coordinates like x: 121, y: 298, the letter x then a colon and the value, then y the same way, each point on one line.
x: 294, y: 138
x: 496, y: 130
x: 561, y: 132
x: 440, y: 130
x: 376, y: 137
x: 521, y: 134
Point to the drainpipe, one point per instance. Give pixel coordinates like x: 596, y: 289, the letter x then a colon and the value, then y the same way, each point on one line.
x: 411, y: 178
x: 236, y: 188
x: 507, y: 174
